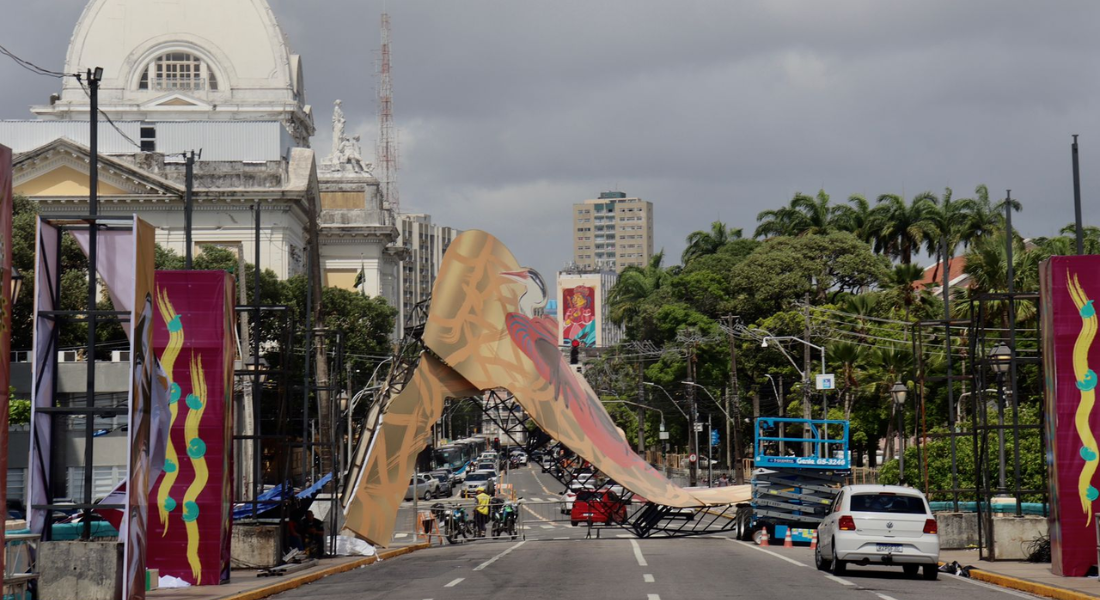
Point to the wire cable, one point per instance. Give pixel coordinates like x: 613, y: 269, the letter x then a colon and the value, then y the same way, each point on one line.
x: 28, y: 65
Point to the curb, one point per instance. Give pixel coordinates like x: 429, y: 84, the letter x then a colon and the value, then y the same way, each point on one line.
x: 297, y: 582
x: 1031, y: 587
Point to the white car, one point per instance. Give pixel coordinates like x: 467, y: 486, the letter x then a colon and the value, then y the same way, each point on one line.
x: 879, y: 525
x: 571, y: 494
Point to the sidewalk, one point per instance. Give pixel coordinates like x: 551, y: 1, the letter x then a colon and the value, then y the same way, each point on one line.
x: 1033, y: 578
x: 245, y: 585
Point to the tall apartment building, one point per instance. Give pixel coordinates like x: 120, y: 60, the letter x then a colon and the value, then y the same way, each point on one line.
x: 424, y: 243
x: 612, y: 232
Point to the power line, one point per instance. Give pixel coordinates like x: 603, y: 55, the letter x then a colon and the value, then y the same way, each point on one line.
x: 108, y: 118
x: 28, y: 65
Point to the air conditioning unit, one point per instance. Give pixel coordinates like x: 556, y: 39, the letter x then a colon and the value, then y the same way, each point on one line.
x: 120, y: 356
x: 67, y: 356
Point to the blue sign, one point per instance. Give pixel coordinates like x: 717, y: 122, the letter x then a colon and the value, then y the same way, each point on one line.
x: 713, y: 437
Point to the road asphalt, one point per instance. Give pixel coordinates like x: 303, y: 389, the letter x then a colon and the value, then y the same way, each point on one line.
x: 618, y: 566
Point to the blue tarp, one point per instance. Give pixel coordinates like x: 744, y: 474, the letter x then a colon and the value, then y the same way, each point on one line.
x: 273, y: 497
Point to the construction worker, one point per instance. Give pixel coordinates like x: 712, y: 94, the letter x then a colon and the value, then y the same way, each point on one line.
x: 481, y: 515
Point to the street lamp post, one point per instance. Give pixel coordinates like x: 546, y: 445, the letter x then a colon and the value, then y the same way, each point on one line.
x: 668, y: 468
x: 999, y: 359
x: 713, y: 399
x: 899, y: 392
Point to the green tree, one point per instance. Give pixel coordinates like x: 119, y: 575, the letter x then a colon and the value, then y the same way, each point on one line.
x: 804, y: 215
x: 635, y: 285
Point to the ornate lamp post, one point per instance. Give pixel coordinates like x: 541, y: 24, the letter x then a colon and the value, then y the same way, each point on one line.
x: 899, y: 392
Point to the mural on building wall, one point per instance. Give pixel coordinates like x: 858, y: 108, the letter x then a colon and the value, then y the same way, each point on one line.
x: 579, y: 315
x: 482, y: 334
x: 1070, y: 285
x: 190, y: 533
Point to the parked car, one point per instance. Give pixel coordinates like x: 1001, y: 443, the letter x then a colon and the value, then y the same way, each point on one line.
x: 602, y: 506
x: 426, y: 487
x: 547, y: 462
x: 880, y: 525
x: 519, y: 456
x: 446, y: 481
x: 479, y: 479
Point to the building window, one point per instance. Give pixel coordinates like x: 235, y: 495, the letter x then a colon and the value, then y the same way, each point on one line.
x: 178, y: 71
x: 148, y: 138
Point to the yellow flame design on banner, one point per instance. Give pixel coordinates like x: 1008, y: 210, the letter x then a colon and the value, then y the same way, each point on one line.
x: 1086, y: 383
x: 196, y: 450
x: 165, y: 503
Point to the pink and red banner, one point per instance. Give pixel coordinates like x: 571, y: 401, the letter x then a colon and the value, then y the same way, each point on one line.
x: 1070, y: 286
x: 6, y: 302
x: 191, y: 503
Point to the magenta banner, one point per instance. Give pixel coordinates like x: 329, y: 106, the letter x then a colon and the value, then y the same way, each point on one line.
x: 1070, y: 286
x: 191, y: 503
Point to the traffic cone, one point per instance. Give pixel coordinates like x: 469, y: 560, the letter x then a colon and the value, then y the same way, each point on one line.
x: 787, y: 541
x: 813, y: 541
x: 764, y: 538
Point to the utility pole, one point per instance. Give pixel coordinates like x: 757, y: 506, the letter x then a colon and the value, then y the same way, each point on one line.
x: 734, y: 437
x: 188, y: 205
x: 807, y: 410
x: 244, y: 411
x: 693, y: 440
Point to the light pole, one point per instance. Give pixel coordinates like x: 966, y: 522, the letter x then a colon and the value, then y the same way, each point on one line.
x: 899, y: 392
x: 669, y: 396
x: 805, y: 382
x: 999, y: 359
x: 716, y: 403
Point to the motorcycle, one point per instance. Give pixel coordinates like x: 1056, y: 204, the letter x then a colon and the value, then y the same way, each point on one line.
x: 458, y: 524
x: 504, y: 520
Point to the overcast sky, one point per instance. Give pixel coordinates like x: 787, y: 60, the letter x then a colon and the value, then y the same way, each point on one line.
x: 511, y: 110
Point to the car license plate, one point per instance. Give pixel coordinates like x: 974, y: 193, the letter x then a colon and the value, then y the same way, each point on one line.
x: 888, y: 547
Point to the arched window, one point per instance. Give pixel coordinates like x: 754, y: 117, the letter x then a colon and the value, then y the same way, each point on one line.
x: 178, y: 71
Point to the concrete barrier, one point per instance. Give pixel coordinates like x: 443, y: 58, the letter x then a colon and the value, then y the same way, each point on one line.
x: 93, y: 568
x: 958, y: 531
x: 255, y: 545
x: 1013, y: 535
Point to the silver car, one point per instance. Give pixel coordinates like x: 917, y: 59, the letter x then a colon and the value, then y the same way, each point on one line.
x: 427, y: 488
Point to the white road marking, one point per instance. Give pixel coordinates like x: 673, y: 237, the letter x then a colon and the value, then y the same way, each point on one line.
x: 498, y: 557
x: 638, y: 554
x: 779, y: 556
x: 839, y: 580
x: 648, y: 578
x: 455, y: 582
x: 400, y: 535
x: 547, y: 526
x: 885, y: 597
x: 653, y: 597
x: 623, y: 535
x: 561, y: 538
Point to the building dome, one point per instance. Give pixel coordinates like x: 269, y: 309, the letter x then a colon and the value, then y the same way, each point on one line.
x: 184, y: 60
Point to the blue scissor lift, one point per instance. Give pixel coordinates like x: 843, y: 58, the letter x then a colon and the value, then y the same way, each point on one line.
x: 791, y: 490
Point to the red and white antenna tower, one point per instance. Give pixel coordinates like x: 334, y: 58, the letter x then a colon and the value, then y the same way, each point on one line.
x: 387, y: 133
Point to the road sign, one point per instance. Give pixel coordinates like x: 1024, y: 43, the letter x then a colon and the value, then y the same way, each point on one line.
x: 714, y: 437
x: 663, y: 435
x: 826, y: 382
x: 699, y: 427
x: 692, y: 458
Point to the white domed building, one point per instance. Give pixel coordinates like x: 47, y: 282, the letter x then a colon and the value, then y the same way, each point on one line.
x: 216, y: 76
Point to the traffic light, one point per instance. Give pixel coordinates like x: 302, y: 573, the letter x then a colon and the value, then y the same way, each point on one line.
x: 496, y: 444
x: 575, y: 353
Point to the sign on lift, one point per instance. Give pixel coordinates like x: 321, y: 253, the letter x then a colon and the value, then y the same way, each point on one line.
x: 826, y: 382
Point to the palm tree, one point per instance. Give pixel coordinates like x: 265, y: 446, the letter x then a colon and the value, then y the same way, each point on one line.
x: 985, y: 218
x: 893, y: 364
x: 903, y: 226
x: 986, y: 264
x: 859, y: 218
x: 902, y: 279
x: 702, y: 243
x: 848, y: 356
x: 803, y: 215
x: 948, y: 221
x: 635, y: 285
